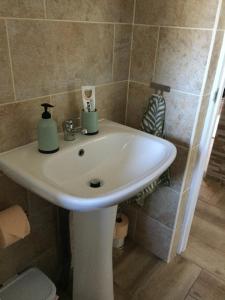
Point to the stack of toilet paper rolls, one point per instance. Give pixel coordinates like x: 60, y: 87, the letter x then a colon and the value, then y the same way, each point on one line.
x: 14, y: 226
x: 120, y: 231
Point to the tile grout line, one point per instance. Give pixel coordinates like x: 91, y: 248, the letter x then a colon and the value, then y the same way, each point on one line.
x: 113, y: 54
x: 213, y: 274
x: 156, y: 53
x: 174, y: 90
x: 175, y: 27
x: 105, y: 22
x: 45, y: 9
x: 188, y: 293
x: 129, y: 70
x: 64, y: 20
x: 61, y: 93
x: 10, y: 60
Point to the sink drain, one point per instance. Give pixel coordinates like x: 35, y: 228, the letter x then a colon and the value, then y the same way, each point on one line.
x: 95, y: 183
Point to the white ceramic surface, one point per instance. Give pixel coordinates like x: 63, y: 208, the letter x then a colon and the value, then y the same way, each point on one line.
x: 124, y: 159
x: 93, y: 236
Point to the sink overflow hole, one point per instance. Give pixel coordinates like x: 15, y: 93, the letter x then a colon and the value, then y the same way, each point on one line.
x: 95, y: 183
x: 81, y: 152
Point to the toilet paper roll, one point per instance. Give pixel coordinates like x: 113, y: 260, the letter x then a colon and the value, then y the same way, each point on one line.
x: 121, y: 227
x: 14, y: 226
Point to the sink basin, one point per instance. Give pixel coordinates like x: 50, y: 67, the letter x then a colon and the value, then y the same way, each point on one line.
x: 90, y: 176
x: 123, y: 159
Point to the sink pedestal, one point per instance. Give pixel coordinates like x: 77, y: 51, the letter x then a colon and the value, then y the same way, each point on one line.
x: 92, y: 254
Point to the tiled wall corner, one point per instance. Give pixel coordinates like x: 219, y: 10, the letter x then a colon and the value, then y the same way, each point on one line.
x: 171, y: 44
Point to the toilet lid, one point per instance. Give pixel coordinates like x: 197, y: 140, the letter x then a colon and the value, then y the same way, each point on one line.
x: 32, y: 284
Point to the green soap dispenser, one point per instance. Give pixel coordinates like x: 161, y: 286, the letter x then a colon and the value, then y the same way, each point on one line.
x: 48, y: 140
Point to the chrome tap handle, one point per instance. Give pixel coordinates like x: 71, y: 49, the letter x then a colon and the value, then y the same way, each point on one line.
x: 84, y: 131
x: 69, y: 130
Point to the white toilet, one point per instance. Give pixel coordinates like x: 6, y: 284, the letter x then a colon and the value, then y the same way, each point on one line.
x: 30, y: 285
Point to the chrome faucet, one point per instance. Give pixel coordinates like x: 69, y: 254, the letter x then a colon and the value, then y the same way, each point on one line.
x: 70, y: 130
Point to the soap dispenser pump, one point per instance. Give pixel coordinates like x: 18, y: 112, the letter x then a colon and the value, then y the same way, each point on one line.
x: 48, y: 140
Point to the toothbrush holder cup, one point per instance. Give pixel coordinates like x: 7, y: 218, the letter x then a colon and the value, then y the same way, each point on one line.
x: 89, y: 121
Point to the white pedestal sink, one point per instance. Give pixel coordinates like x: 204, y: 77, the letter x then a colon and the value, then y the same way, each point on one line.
x: 93, y: 274
x: 124, y: 160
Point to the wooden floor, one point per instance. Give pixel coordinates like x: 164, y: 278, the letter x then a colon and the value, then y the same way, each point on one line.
x: 198, y: 275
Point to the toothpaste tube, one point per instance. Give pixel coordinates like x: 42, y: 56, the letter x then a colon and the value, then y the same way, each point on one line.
x: 88, y: 96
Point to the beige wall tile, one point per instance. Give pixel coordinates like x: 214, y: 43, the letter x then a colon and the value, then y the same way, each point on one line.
x: 122, y: 49
x: 180, y: 116
x: 143, y: 53
x: 11, y: 194
x: 18, y: 124
x: 51, y: 57
x: 22, y: 8
x: 153, y: 235
x: 91, y: 10
x: 138, y: 100
x: 6, y: 87
x: 111, y: 101
x: 162, y: 206
x: 182, y: 58
x: 222, y: 17
x: 191, y: 13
